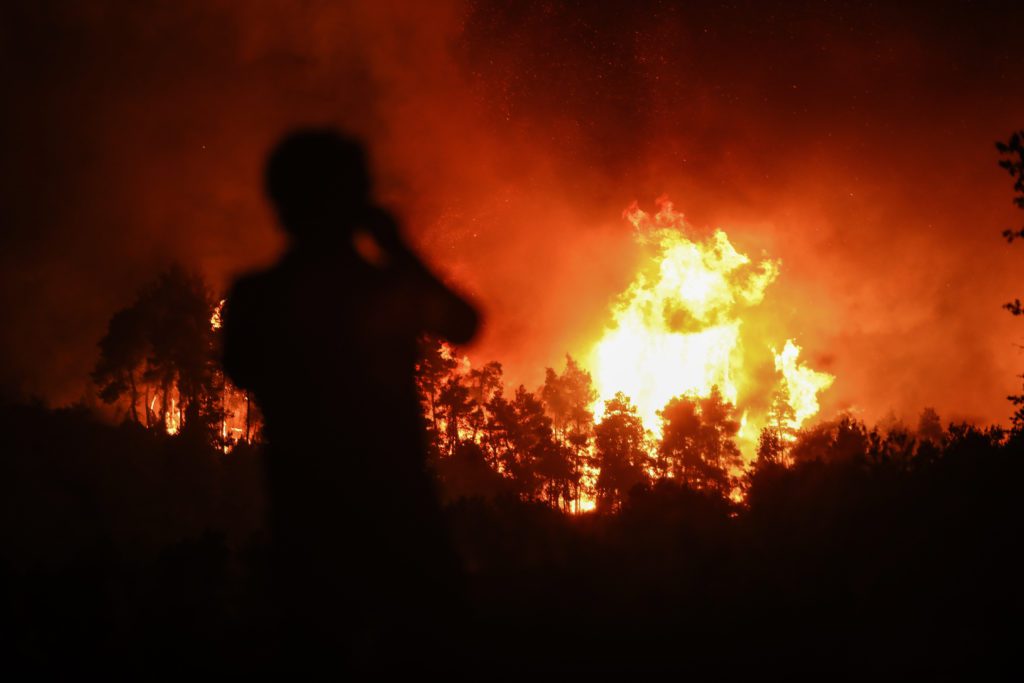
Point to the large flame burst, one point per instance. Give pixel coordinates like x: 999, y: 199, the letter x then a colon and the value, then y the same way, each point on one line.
x: 676, y: 328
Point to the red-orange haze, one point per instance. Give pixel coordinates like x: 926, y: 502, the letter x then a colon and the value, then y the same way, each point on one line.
x: 853, y: 145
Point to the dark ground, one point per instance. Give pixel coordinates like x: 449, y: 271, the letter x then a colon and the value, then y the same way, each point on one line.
x: 138, y: 554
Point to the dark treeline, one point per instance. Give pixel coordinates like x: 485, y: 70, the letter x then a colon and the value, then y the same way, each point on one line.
x: 862, y: 553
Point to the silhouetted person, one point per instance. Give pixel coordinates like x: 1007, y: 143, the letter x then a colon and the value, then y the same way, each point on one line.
x: 326, y: 341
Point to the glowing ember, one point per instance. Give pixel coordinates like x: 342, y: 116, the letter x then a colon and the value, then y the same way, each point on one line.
x: 215, y: 319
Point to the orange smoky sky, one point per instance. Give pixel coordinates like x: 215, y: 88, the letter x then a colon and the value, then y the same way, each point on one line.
x: 852, y: 141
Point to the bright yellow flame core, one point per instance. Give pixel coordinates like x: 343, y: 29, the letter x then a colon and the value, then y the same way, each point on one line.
x: 676, y: 328
x: 801, y: 384
x: 653, y: 366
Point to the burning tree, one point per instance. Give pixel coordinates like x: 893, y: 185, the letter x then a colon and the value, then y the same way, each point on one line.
x: 568, y: 399
x: 163, y: 351
x: 523, y: 444
x: 537, y: 443
x: 622, y: 456
x: 698, y: 444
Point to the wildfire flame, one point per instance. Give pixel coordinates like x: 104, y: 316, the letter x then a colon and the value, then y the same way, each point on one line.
x: 676, y: 328
x: 215, y: 319
x: 801, y: 385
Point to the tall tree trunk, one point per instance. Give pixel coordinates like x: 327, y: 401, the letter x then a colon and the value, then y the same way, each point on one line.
x: 433, y: 411
x: 164, y: 391
x: 247, y: 423
x: 134, y: 396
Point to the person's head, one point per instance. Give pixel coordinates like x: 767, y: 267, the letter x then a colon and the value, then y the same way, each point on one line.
x: 319, y: 183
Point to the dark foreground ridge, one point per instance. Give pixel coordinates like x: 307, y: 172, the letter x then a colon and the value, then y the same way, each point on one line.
x: 130, y: 551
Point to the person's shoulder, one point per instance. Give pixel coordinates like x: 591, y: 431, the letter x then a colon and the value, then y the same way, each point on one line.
x: 248, y: 299
x: 246, y: 284
x: 253, y: 285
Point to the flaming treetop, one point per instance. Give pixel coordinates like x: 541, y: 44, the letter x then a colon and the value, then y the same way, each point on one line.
x: 676, y: 328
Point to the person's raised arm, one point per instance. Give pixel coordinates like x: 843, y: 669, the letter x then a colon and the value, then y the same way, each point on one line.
x: 442, y: 312
x: 446, y: 314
